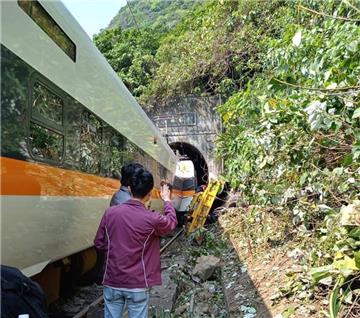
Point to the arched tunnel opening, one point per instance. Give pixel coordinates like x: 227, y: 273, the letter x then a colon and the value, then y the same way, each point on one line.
x: 189, y: 152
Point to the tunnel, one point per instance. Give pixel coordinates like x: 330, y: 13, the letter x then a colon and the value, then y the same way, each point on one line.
x: 189, y: 152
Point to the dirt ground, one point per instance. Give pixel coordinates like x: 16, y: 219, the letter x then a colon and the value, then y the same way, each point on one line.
x: 258, y: 286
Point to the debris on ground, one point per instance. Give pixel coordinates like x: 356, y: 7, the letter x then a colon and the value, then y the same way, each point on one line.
x: 205, y: 266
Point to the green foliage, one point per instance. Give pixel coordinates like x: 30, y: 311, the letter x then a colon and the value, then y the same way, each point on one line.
x: 217, y: 48
x: 131, y: 54
x: 130, y: 47
x: 162, y: 14
x: 291, y: 140
x: 207, y: 243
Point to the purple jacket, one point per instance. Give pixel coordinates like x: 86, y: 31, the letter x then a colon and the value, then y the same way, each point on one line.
x: 129, y: 233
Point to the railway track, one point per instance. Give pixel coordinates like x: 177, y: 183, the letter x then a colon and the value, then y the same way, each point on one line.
x: 99, y: 301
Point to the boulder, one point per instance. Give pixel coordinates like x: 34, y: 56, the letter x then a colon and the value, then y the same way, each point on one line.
x: 205, y: 266
x: 181, y: 309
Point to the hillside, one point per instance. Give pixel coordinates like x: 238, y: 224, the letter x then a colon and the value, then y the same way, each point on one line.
x: 151, y: 13
x: 289, y: 72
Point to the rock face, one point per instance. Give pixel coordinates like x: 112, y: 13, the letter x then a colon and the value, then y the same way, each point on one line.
x: 205, y: 266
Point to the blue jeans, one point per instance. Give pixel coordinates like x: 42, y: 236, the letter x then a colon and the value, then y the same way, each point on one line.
x: 115, y: 301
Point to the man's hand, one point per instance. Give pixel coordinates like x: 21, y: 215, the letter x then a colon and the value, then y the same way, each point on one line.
x: 165, y: 193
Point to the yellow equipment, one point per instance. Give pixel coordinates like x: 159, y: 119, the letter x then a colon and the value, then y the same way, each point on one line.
x: 201, y: 204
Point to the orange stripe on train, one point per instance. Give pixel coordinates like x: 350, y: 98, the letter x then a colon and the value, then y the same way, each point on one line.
x: 29, y: 178
x: 20, y: 177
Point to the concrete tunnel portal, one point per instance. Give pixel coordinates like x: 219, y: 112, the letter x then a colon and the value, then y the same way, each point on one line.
x: 189, y: 152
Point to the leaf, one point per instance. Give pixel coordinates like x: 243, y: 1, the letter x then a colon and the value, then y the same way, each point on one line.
x: 357, y: 259
x: 346, y: 266
x: 356, y: 113
x: 331, y: 86
x: 339, y: 255
x: 303, y: 178
x: 348, y: 298
x: 353, y: 46
x: 334, y: 303
x: 288, y: 312
x: 338, y: 171
x: 296, y: 40
x: 355, y: 233
x: 347, y: 160
x: 326, y: 281
x: 319, y: 273
x: 356, y: 291
x: 327, y: 75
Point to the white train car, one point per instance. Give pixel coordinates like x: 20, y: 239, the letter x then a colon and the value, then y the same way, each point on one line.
x: 68, y: 123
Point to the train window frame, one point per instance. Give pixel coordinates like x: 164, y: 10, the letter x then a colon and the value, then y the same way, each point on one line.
x: 38, y: 119
x: 42, y: 159
x: 55, y: 32
x: 36, y: 114
x: 99, y: 132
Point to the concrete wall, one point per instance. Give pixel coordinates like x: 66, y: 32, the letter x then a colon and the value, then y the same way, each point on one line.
x: 192, y: 120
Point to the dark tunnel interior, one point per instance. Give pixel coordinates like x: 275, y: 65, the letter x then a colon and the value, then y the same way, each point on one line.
x: 189, y: 152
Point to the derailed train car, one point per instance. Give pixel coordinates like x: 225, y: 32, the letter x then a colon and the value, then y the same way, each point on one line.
x: 68, y: 123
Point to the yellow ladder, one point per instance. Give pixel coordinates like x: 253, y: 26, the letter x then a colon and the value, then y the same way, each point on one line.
x: 201, y: 204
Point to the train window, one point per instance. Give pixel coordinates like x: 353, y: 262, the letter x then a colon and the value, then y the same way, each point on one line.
x: 47, y: 104
x: 72, y: 141
x: 90, y: 143
x: 36, y: 12
x: 45, y: 143
x: 115, y: 152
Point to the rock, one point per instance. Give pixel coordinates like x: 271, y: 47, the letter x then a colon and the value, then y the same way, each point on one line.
x: 248, y: 311
x: 296, y: 254
x: 210, y: 287
x: 205, y: 266
x: 294, y: 269
x: 304, y: 311
x: 181, y: 309
x: 202, y: 308
x: 204, y: 295
x: 238, y: 295
x: 229, y: 285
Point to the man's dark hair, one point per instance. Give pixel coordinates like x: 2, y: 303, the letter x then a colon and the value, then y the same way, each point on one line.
x: 127, y: 171
x: 141, y: 183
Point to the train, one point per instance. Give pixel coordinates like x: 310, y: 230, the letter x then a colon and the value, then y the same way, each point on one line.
x: 68, y: 123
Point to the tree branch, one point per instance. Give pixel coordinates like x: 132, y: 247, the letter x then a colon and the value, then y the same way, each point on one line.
x: 346, y: 88
x: 352, y: 6
x: 327, y: 15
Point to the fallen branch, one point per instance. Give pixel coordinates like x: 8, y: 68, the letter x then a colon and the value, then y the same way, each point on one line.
x: 327, y: 15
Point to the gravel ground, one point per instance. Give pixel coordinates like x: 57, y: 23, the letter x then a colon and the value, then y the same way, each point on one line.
x: 74, y: 303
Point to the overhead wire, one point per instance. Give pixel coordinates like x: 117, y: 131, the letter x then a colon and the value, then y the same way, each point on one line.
x: 132, y: 14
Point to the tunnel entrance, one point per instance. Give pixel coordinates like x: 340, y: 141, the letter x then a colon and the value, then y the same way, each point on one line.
x: 187, y: 151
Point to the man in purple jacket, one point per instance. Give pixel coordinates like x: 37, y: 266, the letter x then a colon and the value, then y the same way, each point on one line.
x: 129, y: 233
